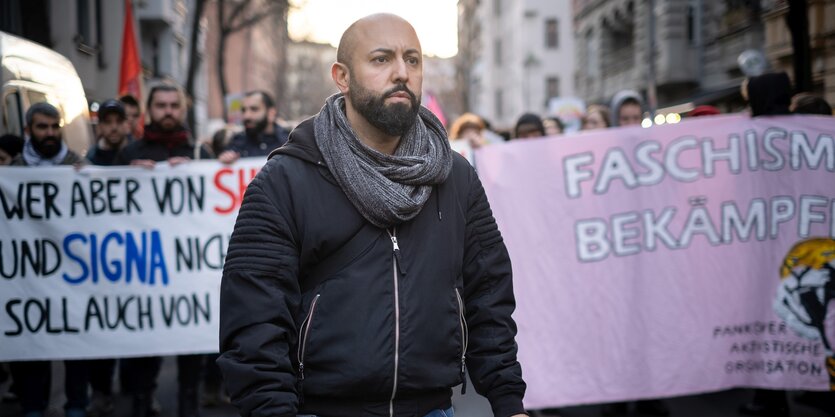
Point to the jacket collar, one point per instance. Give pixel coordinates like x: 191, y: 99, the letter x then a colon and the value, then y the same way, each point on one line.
x: 302, y: 144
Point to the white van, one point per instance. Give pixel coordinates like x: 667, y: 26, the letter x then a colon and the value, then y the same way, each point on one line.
x: 31, y: 73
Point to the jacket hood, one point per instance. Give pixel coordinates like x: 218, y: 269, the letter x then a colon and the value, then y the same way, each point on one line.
x: 302, y: 144
x: 769, y: 94
x: 617, y: 102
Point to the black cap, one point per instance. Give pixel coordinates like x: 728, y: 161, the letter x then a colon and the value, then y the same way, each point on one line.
x: 111, y: 107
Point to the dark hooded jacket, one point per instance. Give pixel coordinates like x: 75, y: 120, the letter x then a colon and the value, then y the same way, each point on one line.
x: 260, y: 145
x: 769, y: 94
x: 381, y: 335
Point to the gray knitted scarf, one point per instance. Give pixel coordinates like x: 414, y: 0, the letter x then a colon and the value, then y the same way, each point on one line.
x: 385, y: 189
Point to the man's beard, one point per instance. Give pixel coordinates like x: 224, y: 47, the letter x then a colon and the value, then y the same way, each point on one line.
x: 173, y: 127
x: 47, y: 146
x: 394, y: 119
x: 260, y: 126
x: 114, y: 140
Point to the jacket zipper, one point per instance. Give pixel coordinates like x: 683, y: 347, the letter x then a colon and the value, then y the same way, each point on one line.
x: 396, y: 266
x: 305, y: 326
x: 465, y: 340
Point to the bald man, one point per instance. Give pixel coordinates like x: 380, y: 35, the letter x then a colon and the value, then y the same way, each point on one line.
x: 366, y: 275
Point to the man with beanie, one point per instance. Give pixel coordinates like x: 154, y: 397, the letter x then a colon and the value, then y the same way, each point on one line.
x: 366, y: 274
x: 165, y: 139
x: 45, y: 147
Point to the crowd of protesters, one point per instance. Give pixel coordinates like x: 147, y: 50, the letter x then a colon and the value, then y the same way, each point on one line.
x: 770, y: 95
x: 767, y: 95
x: 121, y: 140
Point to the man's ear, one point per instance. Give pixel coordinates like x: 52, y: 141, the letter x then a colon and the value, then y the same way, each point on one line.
x: 272, y: 114
x: 341, y: 76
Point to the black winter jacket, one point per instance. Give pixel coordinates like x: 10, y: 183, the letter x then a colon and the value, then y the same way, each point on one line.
x: 382, y: 336
x: 155, y: 151
x: 261, y: 145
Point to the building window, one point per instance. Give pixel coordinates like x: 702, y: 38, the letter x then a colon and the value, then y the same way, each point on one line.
x: 88, y: 27
x: 592, y: 61
x: 691, y: 24
x: 497, y: 52
x: 499, y: 104
x: 740, y: 12
x: 552, y: 38
x: 552, y: 88
x: 13, y: 113
x: 618, y: 51
x: 82, y: 19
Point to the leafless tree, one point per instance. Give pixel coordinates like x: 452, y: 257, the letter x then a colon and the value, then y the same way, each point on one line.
x: 234, y: 16
x: 194, y: 58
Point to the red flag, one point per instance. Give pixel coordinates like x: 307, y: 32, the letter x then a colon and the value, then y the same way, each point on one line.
x: 130, y: 72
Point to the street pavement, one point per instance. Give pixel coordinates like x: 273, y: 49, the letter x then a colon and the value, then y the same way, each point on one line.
x: 720, y: 404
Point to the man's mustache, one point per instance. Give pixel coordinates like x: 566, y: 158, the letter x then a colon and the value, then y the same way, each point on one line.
x: 398, y: 88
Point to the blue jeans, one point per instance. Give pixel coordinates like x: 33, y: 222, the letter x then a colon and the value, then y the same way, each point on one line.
x: 441, y: 413
x: 436, y: 413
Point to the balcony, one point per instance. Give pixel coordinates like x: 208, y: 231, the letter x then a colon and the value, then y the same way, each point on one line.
x: 161, y: 11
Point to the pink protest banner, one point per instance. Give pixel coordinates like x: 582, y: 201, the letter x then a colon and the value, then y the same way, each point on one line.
x: 672, y: 260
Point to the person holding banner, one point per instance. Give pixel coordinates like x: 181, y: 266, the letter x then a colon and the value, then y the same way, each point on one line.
x: 767, y: 95
x: 33, y: 379
x: 133, y: 114
x: 596, y: 117
x: 166, y: 138
x: 111, y: 133
x: 553, y: 126
x: 44, y: 145
x: 806, y: 103
x: 529, y: 125
x: 366, y: 274
x: 627, y: 108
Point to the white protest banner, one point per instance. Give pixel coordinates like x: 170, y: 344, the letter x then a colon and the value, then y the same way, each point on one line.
x: 119, y: 261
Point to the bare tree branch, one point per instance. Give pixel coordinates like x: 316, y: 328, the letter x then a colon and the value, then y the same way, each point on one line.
x: 239, y: 8
x: 228, y: 26
x: 194, y: 59
x: 275, y: 7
